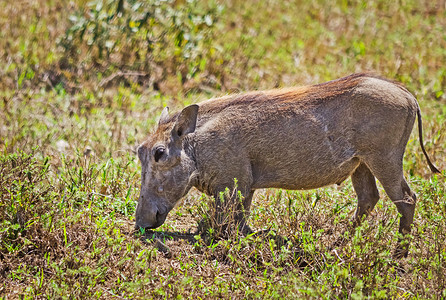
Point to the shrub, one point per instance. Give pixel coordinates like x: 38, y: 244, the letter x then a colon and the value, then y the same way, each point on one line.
x: 156, y: 38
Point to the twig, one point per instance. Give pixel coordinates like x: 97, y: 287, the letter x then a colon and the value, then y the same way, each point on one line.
x: 114, y: 295
x: 119, y: 74
x: 106, y: 196
x: 336, y: 252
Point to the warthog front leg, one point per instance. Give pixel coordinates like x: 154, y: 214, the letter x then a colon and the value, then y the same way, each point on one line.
x: 243, y: 214
x: 233, y: 209
x: 229, y: 212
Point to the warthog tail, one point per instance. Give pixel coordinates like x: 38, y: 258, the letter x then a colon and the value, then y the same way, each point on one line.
x: 420, y: 133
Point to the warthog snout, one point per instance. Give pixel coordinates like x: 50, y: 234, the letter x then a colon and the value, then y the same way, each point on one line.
x: 149, y: 214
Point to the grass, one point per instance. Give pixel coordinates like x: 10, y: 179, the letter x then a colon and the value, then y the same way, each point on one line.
x: 69, y: 178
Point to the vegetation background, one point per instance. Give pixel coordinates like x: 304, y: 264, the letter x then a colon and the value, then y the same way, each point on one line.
x: 82, y: 83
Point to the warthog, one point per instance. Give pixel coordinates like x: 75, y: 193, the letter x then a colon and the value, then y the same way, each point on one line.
x: 295, y: 138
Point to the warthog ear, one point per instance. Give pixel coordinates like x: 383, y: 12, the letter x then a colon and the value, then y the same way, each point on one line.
x: 164, y: 116
x: 187, y: 120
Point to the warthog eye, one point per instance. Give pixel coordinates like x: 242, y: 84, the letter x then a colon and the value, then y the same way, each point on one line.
x: 159, y: 152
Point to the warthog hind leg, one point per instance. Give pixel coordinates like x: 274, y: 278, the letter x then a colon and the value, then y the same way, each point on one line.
x: 392, y: 179
x: 365, y: 187
x: 367, y: 193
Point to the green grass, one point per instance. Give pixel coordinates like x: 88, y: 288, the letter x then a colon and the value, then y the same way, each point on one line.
x: 70, y: 121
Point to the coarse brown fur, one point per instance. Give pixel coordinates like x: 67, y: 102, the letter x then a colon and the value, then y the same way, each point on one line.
x: 294, y: 138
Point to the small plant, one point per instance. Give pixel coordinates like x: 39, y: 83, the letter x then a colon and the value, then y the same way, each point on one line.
x: 23, y: 192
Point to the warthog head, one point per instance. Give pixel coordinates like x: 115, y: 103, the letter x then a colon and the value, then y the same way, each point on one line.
x: 167, y: 167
